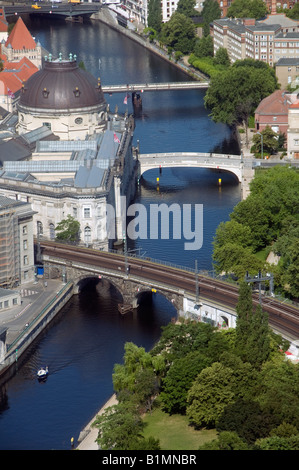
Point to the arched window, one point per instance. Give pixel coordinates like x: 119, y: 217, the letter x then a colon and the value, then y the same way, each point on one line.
x: 40, y: 229
x: 52, y: 231
x: 87, y: 235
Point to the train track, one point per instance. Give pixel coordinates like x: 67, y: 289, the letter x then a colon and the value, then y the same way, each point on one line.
x: 282, y: 316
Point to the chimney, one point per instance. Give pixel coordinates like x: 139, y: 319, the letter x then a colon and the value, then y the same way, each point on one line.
x: 273, y: 7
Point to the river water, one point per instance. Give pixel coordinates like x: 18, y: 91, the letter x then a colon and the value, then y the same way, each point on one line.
x: 88, y: 337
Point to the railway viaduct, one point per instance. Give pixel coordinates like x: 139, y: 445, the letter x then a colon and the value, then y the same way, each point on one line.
x: 192, y: 294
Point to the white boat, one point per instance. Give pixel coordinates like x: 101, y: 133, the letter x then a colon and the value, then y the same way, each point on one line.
x: 42, y: 373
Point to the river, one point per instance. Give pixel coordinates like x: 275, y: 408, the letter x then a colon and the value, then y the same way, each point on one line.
x: 88, y: 337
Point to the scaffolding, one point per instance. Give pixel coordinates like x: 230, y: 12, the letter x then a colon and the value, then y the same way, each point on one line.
x: 9, y: 248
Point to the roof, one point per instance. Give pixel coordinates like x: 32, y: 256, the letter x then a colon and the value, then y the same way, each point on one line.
x: 20, y: 38
x: 89, y: 178
x: 277, y: 103
x: 14, y: 74
x: 281, y: 19
x: 3, y: 22
x: 287, y: 61
x: 60, y: 85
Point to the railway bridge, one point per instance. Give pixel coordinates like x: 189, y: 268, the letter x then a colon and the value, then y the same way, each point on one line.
x: 193, y: 294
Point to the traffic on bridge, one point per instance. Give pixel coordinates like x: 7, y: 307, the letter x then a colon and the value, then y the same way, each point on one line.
x: 283, y: 317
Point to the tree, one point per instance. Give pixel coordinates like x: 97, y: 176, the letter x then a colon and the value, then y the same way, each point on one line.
x: 226, y: 441
x: 221, y: 57
x: 258, y: 344
x: 244, y: 318
x: 120, y: 427
x: 179, y: 33
x: 154, y: 17
x: 247, y: 9
x: 247, y: 420
x: 187, y: 8
x: 270, y: 141
x: 242, y: 82
x: 204, y: 47
x: 68, y: 229
x: 210, y: 12
x: 294, y: 12
x: 210, y: 393
x: 179, y: 379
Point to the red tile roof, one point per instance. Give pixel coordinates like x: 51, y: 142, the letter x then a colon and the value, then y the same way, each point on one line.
x: 16, y: 73
x: 276, y: 103
x: 3, y: 22
x: 20, y: 38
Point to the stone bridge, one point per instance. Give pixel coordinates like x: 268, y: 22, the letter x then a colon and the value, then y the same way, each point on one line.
x: 131, y: 287
x: 231, y: 163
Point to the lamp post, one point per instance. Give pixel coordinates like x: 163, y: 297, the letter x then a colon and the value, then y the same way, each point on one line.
x: 262, y: 152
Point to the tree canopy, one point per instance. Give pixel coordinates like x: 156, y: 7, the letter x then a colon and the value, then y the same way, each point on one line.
x: 245, y: 81
x: 268, y: 217
x: 247, y: 9
x: 179, y: 33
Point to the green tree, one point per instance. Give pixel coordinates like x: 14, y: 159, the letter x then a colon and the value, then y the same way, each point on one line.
x: 119, y: 427
x: 154, y: 17
x: 68, y: 229
x: 179, y: 33
x: 278, y: 443
x: 226, y: 441
x: 247, y: 419
x: 258, y: 344
x: 210, y: 12
x: 244, y: 311
x: 204, y: 47
x: 222, y: 57
x: 210, y: 393
x: 230, y: 88
x: 247, y: 9
x: 270, y: 141
x: 187, y: 8
x: 293, y: 12
x: 179, y: 379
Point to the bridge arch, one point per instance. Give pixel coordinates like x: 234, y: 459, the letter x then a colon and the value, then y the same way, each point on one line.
x: 223, y: 163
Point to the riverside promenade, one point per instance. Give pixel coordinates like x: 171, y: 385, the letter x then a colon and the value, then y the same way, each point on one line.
x: 87, y: 437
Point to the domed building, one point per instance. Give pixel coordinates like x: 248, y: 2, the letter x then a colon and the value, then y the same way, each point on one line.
x: 70, y: 155
x: 63, y: 97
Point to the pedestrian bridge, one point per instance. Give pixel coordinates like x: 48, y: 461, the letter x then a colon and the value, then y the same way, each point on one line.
x: 230, y: 163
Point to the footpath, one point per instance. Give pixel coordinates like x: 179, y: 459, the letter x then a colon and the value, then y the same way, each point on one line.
x: 87, y: 437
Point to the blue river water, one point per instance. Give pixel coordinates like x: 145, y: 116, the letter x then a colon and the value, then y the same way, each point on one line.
x: 87, y: 338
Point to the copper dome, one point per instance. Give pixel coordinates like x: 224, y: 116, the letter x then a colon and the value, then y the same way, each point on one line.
x: 61, y: 85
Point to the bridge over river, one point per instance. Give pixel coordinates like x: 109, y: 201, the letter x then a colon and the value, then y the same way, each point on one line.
x: 192, y: 293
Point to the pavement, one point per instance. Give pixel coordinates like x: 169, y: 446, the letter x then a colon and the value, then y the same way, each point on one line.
x: 35, y: 296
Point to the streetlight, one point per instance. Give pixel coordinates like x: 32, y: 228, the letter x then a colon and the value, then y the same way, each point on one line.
x: 261, y: 144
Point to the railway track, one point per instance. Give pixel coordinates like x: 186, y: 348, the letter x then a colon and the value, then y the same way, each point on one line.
x: 282, y: 316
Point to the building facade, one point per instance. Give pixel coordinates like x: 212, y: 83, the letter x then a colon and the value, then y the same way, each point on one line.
x: 258, y: 40
x: 16, y: 247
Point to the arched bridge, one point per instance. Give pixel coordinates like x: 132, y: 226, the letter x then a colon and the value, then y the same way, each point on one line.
x: 147, y: 276
x: 231, y: 163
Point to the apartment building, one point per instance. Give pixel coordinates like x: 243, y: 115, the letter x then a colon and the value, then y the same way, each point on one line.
x: 248, y: 38
x: 287, y: 72
x: 16, y: 242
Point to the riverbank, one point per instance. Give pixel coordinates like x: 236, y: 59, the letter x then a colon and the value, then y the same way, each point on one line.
x: 105, y: 16
x: 87, y: 437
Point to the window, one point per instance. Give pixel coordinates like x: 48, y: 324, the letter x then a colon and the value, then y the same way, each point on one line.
x: 86, y: 212
x: 52, y: 231
x: 25, y: 260
x: 24, y: 229
x: 25, y: 244
x: 75, y: 212
x: 87, y: 235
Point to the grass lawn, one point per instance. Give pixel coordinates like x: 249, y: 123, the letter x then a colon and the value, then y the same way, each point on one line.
x: 174, y: 433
